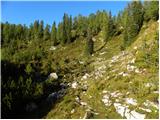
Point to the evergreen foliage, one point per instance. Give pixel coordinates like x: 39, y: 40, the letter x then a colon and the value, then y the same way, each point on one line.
x: 89, y: 43
x: 54, y: 34
x: 133, y: 21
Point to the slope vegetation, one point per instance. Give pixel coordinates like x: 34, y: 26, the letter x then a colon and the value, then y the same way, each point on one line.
x: 111, y: 83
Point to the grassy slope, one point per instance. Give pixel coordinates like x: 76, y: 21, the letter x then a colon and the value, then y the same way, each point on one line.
x: 108, y: 78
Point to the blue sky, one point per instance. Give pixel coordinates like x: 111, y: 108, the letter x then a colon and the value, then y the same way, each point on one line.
x: 26, y: 12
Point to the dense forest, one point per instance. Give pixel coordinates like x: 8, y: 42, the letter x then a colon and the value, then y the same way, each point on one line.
x: 27, y: 52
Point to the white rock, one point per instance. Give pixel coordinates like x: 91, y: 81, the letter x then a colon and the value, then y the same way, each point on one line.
x: 125, y: 112
x: 131, y: 101
x: 81, y: 62
x: 53, y: 75
x: 102, y: 67
x: 127, y: 93
x: 96, y: 113
x: 52, y: 48
x: 130, y: 67
x: 106, y: 100
x: 135, y: 47
x: 120, y: 109
x: 77, y: 99
x: 144, y: 109
x: 74, y: 85
x: 149, y: 84
x: 121, y: 73
x: 90, y: 96
x: 137, y: 70
x: 151, y: 104
x: 104, y: 91
x: 116, y: 94
x: 157, y: 92
x: 125, y: 74
x: 135, y: 115
x: 85, y: 76
x: 83, y: 103
x: 72, y: 111
x: 94, y: 39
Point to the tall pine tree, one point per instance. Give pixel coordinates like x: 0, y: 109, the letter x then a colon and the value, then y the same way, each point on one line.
x: 133, y: 21
x: 89, y: 42
x: 53, y: 34
x: 46, y: 35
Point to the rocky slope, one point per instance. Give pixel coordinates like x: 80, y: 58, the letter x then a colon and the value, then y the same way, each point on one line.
x: 113, y: 83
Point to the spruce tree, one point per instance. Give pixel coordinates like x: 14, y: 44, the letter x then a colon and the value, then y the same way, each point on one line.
x: 133, y: 21
x: 53, y: 34
x: 46, y: 35
x: 108, y: 27
x: 89, y: 44
x: 35, y: 29
x: 64, y: 32
x: 151, y: 10
x: 60, y: 32
x: 40, y: 30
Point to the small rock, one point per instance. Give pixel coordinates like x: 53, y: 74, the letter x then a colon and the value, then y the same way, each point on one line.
x: 144, y: 109
x: 52, y: 48
x: 130, y: 67
x: 131, y: 101
x: 135, y: 47
x: 156, y: 92
x: 83, y: 103
x: 104, y: 91
x: 53, y: 75
x: 77, y: 99
x: 125, y: 74
x: 106, y: 100
x: 137, y: 71
x: 81, y: 62
x: 149, y: 84
x: 74, y: 85
x: 94, y: 39
x: 72, y: 111
x: 85, y: 76
x: 148, y: 103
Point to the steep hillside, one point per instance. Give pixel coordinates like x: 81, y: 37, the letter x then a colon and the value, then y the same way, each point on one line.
x: 111, y: 83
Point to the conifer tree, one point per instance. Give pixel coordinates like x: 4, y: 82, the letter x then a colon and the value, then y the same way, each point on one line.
x: 35, y: 29
x: 60, y: 32
x: 89, y: 44
x: 151, y: 10
x: 53, y: 34
x: 40, y: 30
x: 46, y: 35
x: 64, y: 30
x: 133, y: 21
